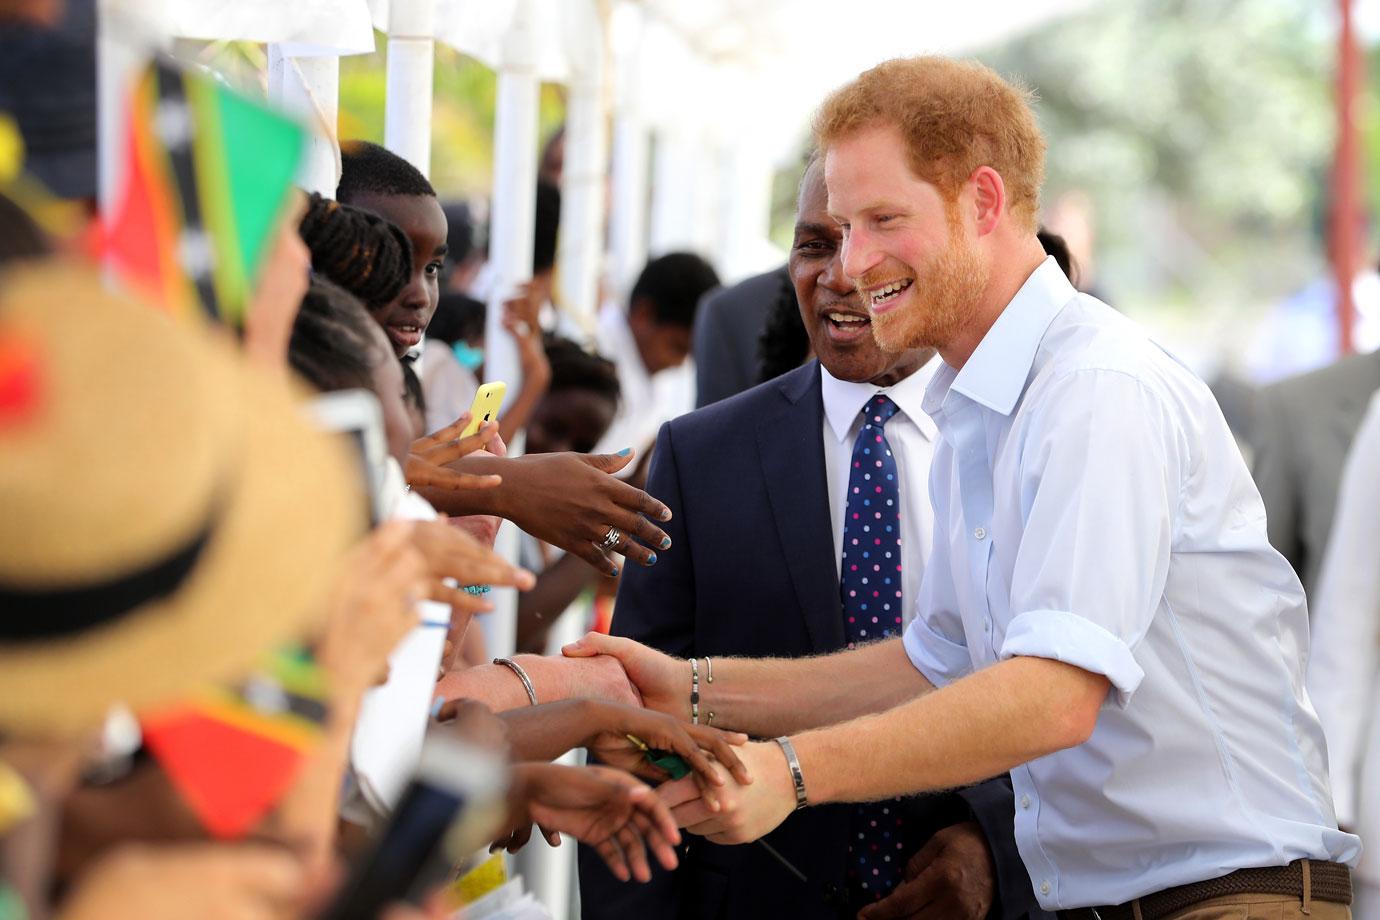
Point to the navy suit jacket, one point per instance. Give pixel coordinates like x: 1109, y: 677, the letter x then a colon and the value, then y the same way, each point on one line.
x: 752, y: 573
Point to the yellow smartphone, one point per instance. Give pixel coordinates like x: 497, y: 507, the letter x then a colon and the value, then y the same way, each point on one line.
x: 485, y: 406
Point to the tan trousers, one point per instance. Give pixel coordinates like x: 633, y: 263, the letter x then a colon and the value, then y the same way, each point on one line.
x: 1262, y: 907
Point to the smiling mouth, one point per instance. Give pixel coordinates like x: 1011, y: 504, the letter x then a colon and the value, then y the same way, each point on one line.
x: 848, y: 321
x: 879, y: 297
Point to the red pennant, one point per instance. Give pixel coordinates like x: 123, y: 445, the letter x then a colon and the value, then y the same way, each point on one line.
x: 230, y: 774
x: 20, y: 378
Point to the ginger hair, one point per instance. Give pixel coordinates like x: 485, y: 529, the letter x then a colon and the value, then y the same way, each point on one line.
x: 955, y: 116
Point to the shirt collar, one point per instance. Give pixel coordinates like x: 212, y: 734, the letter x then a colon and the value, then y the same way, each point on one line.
x: 996, y: 373
x: 844, y: 400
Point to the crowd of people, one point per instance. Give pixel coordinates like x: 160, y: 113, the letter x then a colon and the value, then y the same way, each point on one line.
x: 955, y: 598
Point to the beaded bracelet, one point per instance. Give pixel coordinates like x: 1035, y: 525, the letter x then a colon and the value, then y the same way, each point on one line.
x: 694, y: 691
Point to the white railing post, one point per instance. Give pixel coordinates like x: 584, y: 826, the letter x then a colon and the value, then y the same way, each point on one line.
x: 411, y: 57
x: 510, y: 251
x: 586, y: 167
x: 310, y: 88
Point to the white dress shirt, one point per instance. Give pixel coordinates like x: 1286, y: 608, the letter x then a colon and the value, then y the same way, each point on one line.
x: 1344, y: 670
x: 646, y: 400
x: 1092, y: 507
x: 911, y: 435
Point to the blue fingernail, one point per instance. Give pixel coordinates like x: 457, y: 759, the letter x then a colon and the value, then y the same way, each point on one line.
x: 436, y: 705
x: 666, y: 543
x: 614, y: 573
x: 651, y: 560
x: 625, y: 451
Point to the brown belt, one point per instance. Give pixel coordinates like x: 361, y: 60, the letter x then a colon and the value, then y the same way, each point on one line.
x: 1306, y: 879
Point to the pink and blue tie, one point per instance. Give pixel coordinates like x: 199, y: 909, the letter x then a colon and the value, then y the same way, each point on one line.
x: 870, y: 585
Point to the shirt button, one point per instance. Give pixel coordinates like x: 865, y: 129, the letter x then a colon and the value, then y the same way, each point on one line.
x: 1025, y: 801
x: 980, y: 533
x: 1044, y: 888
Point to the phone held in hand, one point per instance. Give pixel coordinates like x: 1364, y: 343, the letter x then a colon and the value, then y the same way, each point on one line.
x: 357, y: 413
x: 453, y: 806
x: 485, y: 407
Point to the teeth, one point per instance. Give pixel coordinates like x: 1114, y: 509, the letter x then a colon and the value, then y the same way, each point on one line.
x: 890, y: 290
x: 847, y: 318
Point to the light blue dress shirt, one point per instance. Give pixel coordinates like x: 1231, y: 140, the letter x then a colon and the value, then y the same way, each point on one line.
x: 1092, y: 507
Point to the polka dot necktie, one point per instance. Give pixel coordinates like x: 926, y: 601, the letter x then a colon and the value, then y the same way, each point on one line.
x: 870, y: 584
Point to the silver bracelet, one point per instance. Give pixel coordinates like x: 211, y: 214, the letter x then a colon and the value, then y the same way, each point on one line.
x: 516, y: 668
x: 797, y: 777
x: 694, y: 691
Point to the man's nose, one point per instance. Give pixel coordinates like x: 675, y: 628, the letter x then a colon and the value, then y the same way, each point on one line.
x: 858, y: 256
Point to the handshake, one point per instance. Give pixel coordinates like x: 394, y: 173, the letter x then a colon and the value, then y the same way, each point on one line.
x: 736, y: 791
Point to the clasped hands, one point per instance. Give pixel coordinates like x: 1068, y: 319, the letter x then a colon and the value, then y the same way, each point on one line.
x: 723, y: 807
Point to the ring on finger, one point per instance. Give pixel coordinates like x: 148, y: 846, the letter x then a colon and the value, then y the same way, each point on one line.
x: 610, y: 539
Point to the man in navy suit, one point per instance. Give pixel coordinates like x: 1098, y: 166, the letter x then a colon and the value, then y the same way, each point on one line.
x: 758, y: 485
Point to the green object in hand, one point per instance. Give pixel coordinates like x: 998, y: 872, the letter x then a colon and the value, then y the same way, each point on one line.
x: 668, y: 761
x: 672, y: 763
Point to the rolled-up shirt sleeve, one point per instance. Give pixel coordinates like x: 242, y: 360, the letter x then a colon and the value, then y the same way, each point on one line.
x: 1100, y: 481
x: 934, y: 640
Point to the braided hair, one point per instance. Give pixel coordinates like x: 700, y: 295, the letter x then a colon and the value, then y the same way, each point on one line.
x: 358, y: 250
x: 335, y: 344
x: 784, y: 344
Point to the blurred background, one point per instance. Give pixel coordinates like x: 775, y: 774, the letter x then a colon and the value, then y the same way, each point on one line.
x: 1191, y: 142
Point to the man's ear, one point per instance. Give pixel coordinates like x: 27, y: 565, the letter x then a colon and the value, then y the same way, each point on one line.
x: 989, y: 198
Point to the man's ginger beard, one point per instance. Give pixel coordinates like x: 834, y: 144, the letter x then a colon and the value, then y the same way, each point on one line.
x: 944, y: 295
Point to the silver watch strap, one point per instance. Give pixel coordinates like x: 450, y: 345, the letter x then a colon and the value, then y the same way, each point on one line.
x: 797, y: 777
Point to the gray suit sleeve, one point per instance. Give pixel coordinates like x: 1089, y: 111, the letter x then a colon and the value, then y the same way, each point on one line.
x: 718, y: 374
x: 1275, y: 475
x: 993, y: 806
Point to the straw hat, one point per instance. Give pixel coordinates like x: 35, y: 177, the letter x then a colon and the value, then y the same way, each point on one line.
x: 166, y: 514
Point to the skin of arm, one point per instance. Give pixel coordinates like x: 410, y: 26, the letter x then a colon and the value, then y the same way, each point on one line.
x: 979, y: 726
x: 762, y: 696
x: 497, y: 687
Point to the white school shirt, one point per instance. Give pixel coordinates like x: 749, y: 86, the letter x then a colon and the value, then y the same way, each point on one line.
x: 1344, y: 669
x: 1092, y: 507
x: 911, y: 435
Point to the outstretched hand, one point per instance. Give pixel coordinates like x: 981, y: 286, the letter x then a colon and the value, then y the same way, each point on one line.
x: 616, y: 814
x: 452, y: 553
x: 662, y: 681
x: 571, y: 500
x: 428, y: 456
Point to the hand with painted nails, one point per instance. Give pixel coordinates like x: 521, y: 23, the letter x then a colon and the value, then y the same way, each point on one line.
x: 568, y: 500
x: 616, y: 814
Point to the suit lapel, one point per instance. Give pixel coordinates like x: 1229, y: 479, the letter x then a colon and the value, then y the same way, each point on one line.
x: 791, y: 450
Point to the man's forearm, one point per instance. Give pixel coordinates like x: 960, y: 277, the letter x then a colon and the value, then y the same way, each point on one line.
x: 977, y: 727
x: 767, y: 697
